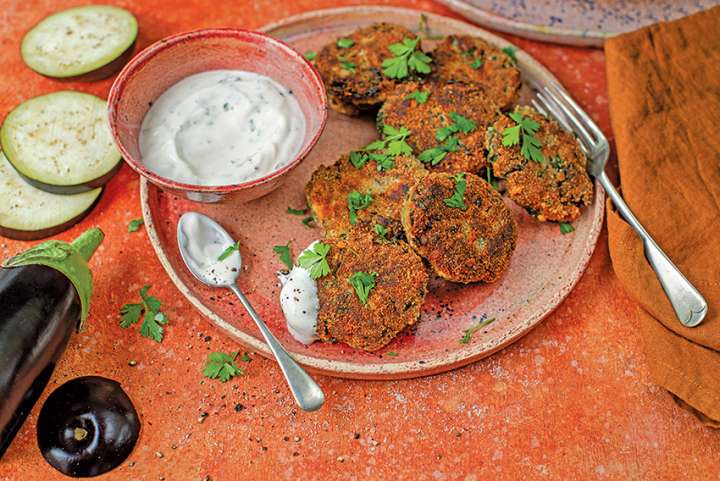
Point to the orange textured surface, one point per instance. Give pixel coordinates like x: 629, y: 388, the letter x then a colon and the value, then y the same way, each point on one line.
x: 572, y: 400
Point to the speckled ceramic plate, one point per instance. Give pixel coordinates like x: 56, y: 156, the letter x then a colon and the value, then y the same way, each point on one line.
x: 574, y: 22
x: 544, y: 269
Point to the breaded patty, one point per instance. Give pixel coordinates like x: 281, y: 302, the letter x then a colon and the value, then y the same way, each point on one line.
x: 462, y: 245
x: 353, y: 75
x: 392, y: 305
x: 555, y: 189
x: 426, y: 119
x: 467, y: 59
x: 329, y: 187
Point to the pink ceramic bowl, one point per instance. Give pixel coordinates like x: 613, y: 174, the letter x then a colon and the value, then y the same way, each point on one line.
x: 168, y: 61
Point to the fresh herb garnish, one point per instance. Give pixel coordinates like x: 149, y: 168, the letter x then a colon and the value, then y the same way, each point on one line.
x: 229, y: 250
x: 363, y: 282
x: 391, y: 354
x: 283, y: 253
x: 477, y: 63
x: 447, y: 135
x: 135, y: 224
x: 383, y: 151
x: 307, y: 221
x: 467, y: 335
x: 424, y: 29
x: 510, y: 52
x: 357, y: 201
x: 245, y: 357
x: 310, y: 55
x: 292, y: 211
x: 419, y: 96
x: 358, y: 158
x: 346, y: 64
x: 222, y: 366
x: 525, y: 130
x: 459, y: 124
x: 315, y: 260
x: 345, y: 42
x: 381, y: 231
x: 384, y: 162
x: 435, y: 155
x: 407, y: 58
x: 457, y: 200
x: 151, y: 326
x: 566, y: 228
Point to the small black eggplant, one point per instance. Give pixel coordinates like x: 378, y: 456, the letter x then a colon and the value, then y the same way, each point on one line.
x: 87, y: 427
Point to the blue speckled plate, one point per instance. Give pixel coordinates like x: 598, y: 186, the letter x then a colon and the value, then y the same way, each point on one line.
x: 574, y: 22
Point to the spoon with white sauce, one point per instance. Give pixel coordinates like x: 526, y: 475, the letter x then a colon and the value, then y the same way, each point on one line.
x: 202, y: 241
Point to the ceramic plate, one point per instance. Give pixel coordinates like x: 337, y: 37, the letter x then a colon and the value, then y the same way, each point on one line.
x: 574, y: 22
x: 544, y: 268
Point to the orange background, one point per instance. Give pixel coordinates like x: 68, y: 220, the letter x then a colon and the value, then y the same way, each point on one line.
x: 572, y: 400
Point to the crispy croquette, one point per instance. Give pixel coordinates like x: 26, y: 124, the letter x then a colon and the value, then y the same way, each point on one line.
x: 392, y: 304
x: 331, y: 187
x: 353, y: 72
x: 468, y: 59
x: 434, y: 113
x: 465, y: 232
x: 556, y: 186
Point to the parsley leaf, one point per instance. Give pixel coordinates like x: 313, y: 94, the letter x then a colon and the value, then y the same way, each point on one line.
x: 457, y: 201
x: 468, y: 333
x: 222, y: 366
x: 283, y: 253
x: 310, y: 55
x: 357, y: 201
x: 307, y: 221
x: 477, y: 63
x: 346, y: 64
x: 463, y: 124
x: 245, y: 357
x: 135, y: 224
x: 566, y: 228
x: 315, y: 260
x: 358, y: 158
x: 510, y: 52
x: 392, y: 354
x: 435, y: 155
x: 345, y: 43
x: 524, y: 134
x: 384, y: 162
x: 228, y: 251
x: 363, y: 282
x: 292, y: 211
x: 384, y: 150
x: 153, y: 319
x: 381, y: 231
x: 418, y: 96
x: 407, y: 58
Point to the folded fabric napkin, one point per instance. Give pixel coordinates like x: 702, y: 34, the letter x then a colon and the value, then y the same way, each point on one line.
x: 664, y: 90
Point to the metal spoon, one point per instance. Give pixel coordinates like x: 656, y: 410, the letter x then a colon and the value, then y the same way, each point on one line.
x: 210, y: 238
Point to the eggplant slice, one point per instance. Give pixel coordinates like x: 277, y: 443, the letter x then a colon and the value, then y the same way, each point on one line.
x: 28, y: 213
x: 82, y: 43
x: 61, y: 142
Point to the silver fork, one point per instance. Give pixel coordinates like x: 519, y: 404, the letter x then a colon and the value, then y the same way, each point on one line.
x: 689, y: 305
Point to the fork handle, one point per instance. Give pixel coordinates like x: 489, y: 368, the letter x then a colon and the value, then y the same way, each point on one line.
x: 689, y: 305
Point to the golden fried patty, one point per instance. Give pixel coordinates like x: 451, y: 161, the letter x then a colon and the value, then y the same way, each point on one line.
x: 461, y: 245
x: 427, y: 119
x: 353, y: 75
x: 329, y: 187
x: 553, y: 189
x: 393, y: 304
x: 467, y: 59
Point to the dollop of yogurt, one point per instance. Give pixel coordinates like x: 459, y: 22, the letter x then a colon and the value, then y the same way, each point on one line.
x: 300, y: 303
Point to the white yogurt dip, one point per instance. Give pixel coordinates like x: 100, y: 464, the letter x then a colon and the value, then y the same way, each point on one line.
x: 221, y: 127
x: 300, y: 303
x: 204, y: 244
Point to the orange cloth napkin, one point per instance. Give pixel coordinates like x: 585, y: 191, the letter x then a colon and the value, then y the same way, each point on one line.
x: 664, y: 90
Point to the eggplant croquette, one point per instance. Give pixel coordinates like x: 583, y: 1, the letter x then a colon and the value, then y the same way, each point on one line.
x: 352, y: 70
x: 461, y: 226
x: 447, y: 123
x: 553, y: 186
x: 377, y: 200
x: 395, y: 301
x: 467, y: 59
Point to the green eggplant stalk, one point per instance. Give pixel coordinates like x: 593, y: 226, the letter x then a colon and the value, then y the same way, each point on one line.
x: 44, y: 296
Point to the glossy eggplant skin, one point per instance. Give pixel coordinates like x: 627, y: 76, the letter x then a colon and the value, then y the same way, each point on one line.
x: 39, y: 310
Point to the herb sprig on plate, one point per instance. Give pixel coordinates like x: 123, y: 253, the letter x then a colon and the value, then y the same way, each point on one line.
x: 222, y: 366
x: 153, y: 318
x: 135, y: 225
x: 523, y: 133
x: 315, y: 260
x: 408, y: 58
x: 448, y: 136
x: 228, y: 251
x: 468, y: 333
x: 457, y: 200
x: 383, y: 151
x: 363, y: 283
x: 357, y: 201
x: 283, y: 253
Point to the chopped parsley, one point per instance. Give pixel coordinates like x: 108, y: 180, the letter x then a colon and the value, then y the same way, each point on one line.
x: 222, y: 366
x: 346, y: 64
x: 435, y: 155
x: 153, y: 319
x: 310, y: 55
x: 292, y: 211
x: 407, y: 59
x: 363, y: 282
x: 392, y: 354
x: 135, y: 225
x: 345, y: 43
x: 229, y: 250
x: 477, y: 63
x: 307, y: 221
x: 468, y: 333
x: 566, y: 228
x: 447, y: 135
x: 358, y: 158
x: 245, y: 357
x: 315, y: 260
x: 283, y: 253
x: 457, y: 200
x: 418, y: 96
x: 383, y: 151
x: 523, y: 133
x: 381, y: 231
x: 357, y: 201
x: 510, y: 52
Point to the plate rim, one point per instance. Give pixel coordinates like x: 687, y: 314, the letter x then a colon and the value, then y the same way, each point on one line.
x: 386, y: 370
